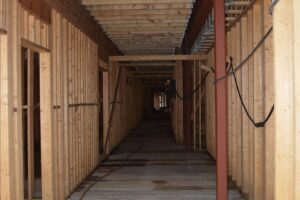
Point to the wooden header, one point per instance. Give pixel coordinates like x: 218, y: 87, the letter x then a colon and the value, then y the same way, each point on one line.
x: 149, y: 64
x: 137, y: 58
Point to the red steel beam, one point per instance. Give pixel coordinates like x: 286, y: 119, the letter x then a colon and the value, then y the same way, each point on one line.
x: 221, y: 98
x: 199, y: 14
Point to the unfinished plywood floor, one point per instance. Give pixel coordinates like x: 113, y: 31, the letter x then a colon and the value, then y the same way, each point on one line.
x: 150, y: 165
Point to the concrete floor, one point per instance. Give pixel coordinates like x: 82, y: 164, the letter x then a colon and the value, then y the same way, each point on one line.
x: 149, y: 165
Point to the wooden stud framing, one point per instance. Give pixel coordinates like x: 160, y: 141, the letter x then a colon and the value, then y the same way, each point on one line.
x: 106, y: 109
x: 258, y: 102
x: 200, y: 96
x: 197, y: 103
x: 69, y: 59
x: 297, y: 97
x: 30, y: 126
x: 194, y: 117
x: 229, y: 112
x: 67, y: 78
x: 245, y: 120
x: 286, y: 51
x: 239, y: 110
x: 47, y: 135
x: 269, y: 102
x: 179, y: 104
x: 234, y: 107
x: 251, y: 149
x: 5, y: 137
x: 250, y: 162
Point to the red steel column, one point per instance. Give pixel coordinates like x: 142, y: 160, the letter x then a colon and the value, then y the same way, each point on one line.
x: 221, y: 98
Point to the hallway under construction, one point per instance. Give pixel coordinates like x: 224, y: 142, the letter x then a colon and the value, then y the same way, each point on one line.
x: 149, y: 164
x: 149, y: 99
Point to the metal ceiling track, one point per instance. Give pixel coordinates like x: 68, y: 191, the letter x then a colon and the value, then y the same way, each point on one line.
x: 206, y: 38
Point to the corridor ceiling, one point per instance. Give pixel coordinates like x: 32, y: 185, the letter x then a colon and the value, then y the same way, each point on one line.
x: 143, y: 26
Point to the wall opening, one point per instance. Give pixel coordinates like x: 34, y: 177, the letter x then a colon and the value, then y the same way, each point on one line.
x: 160, y: 100
x: 31, y: 123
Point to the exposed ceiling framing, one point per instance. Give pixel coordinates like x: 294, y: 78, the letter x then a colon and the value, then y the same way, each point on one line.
x: 206, y: 38
x: 143, y: 26
x: 79, y: 16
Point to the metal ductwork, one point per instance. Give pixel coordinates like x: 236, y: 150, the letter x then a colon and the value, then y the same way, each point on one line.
x: 205, y: 39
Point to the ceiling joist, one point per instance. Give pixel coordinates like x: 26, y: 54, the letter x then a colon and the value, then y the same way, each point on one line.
x: 143, y: 26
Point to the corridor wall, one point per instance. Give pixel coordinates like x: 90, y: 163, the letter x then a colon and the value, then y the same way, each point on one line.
x: 250, y: 149
x: 69, y: 95
x: 133, y: 100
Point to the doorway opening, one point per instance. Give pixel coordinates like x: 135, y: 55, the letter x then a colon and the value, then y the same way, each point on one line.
x: 160, y: 100
x: 31, y: 123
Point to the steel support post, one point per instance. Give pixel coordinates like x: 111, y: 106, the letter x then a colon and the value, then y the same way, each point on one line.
x: 221, y: 100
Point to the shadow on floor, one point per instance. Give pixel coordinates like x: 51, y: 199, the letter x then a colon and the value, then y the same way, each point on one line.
x: 149, y: 165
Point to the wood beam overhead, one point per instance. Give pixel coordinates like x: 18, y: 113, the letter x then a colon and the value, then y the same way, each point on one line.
x: 150, y: 25
x: 137, y: 58
x: 139, y: 6
x: 153, y: 76
x: 161, y: 23
x: 152, y: 72
x: 142, y: 21
x: 105, y: 2
x: 143, y: 17
x: 148, y: 64
x: 177, y: 12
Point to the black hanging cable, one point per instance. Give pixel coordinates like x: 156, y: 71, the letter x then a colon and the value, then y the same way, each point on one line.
x: 256, y: 124
x: 194, y: 91
x: 249, y: 56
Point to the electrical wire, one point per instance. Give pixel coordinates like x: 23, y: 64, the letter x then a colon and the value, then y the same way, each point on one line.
x: 249, y: 56
x: 194, y: 91
x: 256, y: 124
